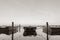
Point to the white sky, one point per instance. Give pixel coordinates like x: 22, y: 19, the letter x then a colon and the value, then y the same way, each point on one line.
x: 30, y: 11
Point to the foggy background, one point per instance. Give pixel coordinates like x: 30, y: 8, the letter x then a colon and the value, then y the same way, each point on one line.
x: 30, y: 11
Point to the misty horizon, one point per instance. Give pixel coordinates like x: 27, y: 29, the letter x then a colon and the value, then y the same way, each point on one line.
x: 30, y: 11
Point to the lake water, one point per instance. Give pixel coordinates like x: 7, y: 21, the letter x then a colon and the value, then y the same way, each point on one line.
x: 19, y: 36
